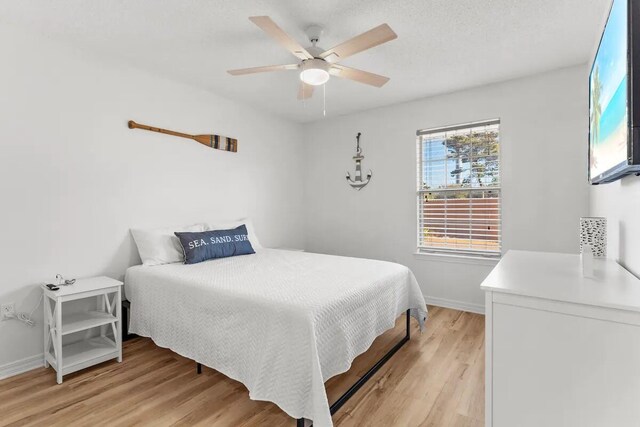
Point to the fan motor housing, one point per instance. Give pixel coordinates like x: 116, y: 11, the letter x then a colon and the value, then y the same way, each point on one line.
x: 316, y: 64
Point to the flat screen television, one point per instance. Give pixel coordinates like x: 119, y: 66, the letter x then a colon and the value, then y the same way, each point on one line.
x: 614, y: 101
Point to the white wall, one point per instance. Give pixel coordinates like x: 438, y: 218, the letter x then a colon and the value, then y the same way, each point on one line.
x: 543, y: 135
x: 74, y: 178
x: 619, y: 202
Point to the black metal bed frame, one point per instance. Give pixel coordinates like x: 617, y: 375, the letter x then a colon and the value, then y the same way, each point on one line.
x: 362, y: 380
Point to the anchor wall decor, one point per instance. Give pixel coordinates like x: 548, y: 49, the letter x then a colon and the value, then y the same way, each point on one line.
x: 358, y: 183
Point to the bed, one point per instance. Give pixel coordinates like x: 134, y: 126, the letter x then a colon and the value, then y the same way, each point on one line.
x: 281, y: 322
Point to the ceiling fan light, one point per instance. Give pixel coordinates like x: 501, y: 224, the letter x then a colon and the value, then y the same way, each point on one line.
x: 314, y: 72
x: 314, y: 77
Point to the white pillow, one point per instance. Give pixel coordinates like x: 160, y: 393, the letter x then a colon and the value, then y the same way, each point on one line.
x: 226, y: 225
x: 160, y: 246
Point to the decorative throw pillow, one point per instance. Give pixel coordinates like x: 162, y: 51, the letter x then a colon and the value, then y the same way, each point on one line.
x: 225, y: 225
x: 201, y: 246
x: 160, y: 245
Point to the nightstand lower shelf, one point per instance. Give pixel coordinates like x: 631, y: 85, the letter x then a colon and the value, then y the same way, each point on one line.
x: 85, y: 353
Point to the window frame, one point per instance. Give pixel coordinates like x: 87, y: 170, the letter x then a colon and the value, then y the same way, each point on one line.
x: 450, y: 251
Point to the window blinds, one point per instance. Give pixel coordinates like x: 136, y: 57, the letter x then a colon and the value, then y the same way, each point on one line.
x: 459, y: 189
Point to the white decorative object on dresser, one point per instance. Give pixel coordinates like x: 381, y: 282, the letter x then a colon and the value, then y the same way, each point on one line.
x: 92, y: 350
x: 561, y: 349
x: 593, y: 232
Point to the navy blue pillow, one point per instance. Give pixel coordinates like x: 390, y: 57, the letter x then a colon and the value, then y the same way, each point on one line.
x: 203, y: 245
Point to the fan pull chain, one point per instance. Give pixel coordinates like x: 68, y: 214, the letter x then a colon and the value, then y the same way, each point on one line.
x: 324, y: 100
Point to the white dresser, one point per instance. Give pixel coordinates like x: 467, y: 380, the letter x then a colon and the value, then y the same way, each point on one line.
x: 561, y: 349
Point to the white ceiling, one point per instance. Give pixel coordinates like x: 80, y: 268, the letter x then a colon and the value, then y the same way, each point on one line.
x: 442, y: 45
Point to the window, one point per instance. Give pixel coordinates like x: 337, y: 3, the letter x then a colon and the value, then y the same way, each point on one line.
x: 459, y: 189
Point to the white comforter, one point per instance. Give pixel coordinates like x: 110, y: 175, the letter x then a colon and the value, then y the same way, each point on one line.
x: 280, y: 322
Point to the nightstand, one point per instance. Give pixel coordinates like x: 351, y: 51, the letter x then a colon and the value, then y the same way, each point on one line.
x: 98, y: 346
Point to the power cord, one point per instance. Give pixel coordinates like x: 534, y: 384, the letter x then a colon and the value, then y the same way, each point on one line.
x: 26, y: 318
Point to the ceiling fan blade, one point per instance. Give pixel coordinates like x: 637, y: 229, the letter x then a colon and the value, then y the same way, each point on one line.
x: 264, y: 69
x: 305, y: 91
x: 374, y: 37
x: 358, y: 75
x: 268, y: 26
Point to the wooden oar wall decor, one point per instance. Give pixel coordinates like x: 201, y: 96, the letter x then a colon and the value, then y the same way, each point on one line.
x: 214, y: 141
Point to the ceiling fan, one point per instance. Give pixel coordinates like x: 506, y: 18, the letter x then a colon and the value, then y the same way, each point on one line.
x: 316, y: 64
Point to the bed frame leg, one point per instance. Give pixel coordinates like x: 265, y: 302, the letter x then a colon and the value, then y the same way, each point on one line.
x: 198, y: 368
x: 355, y: 387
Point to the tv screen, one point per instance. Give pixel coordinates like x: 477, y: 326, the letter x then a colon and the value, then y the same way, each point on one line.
x: 609, y: 93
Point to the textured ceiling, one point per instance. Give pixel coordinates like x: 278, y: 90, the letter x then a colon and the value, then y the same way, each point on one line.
x: 442, y: 45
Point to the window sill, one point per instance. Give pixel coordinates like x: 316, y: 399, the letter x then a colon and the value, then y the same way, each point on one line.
x: 458, y: 259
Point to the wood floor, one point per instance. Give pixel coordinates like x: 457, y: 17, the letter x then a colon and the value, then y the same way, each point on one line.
x: 436, y: 379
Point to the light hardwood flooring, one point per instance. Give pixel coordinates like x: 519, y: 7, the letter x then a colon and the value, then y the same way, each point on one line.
x: 436, y: 379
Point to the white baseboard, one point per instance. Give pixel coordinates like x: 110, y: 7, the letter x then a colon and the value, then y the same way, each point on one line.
x: 456, y: 305
x: 22, y: 365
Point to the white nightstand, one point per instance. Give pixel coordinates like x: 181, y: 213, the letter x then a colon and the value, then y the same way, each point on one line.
x: 69, y: 358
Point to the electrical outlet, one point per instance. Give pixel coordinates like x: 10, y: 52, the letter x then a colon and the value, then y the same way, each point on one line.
x: 7, y: 310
